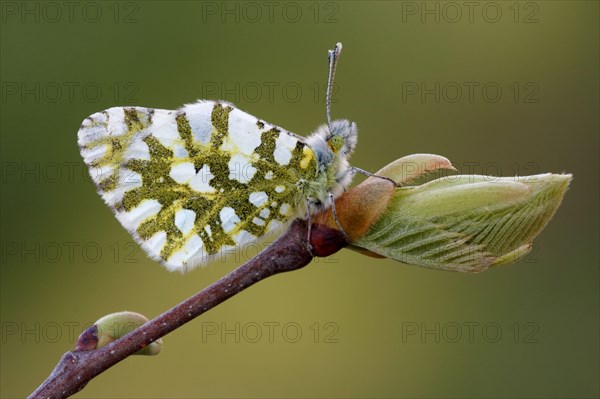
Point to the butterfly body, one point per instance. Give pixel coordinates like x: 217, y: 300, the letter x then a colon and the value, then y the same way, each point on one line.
x: 192, y: 183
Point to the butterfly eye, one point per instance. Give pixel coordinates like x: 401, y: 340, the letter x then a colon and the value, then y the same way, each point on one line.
x: 336, y: 143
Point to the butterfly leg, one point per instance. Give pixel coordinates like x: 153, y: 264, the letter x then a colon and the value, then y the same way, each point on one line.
x: 309, y: 227
x: 369, y: 174
x: 337, y: 221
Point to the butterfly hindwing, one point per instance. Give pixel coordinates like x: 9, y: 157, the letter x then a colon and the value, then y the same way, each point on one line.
x: 194, y: 182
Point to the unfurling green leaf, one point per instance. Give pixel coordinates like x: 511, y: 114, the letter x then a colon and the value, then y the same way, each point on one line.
x: 465, y: 223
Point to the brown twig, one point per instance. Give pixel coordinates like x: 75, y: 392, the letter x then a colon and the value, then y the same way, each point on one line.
x: 289, y: 252
x: 357, y: 209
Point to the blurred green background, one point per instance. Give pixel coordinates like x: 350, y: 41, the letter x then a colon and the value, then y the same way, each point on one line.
x: 347, y: 326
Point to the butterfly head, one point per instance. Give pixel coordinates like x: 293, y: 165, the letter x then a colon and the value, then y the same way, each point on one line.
x: 341, y: 137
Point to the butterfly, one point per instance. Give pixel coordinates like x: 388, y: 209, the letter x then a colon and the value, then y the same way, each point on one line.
x: 207, y: 178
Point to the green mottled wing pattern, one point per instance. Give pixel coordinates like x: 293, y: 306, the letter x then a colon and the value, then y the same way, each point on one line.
x: 192, y: 183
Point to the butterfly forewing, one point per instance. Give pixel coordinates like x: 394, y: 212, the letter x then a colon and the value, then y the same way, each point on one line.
x: 192, y: 183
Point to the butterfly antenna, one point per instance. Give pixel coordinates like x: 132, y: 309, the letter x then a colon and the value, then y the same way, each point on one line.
x: 333, y: 55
